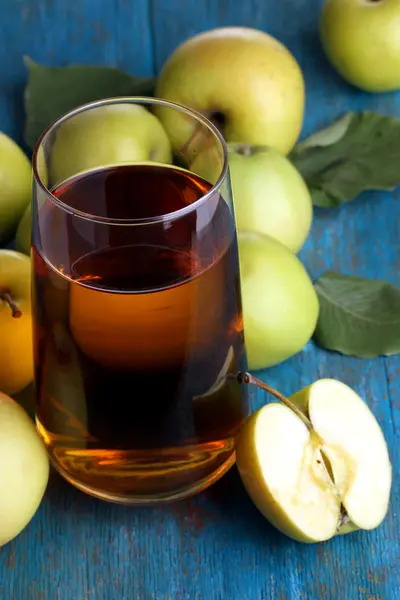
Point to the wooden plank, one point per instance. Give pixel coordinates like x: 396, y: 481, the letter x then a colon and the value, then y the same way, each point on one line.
x: 216, y: 545
x: 361, y: 238
x: 57, y: 32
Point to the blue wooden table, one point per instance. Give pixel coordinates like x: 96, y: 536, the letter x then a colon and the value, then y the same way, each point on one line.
x: 215, y: 546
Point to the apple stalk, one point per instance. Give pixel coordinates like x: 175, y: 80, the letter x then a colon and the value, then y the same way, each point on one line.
x: 251, y: 380
x: 5, y: 295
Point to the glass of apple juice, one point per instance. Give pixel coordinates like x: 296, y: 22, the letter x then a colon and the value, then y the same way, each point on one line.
x: 138, y: 329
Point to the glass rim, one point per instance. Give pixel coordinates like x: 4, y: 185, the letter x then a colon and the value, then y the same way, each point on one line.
x: 176, y: 214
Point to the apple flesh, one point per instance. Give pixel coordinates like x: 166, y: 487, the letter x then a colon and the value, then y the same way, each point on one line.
x: 270, y: 196
x: 283, y: 472
x: 16, y: 348
x: 244, y: 80
x: 24, y: 469
x: 15, y: 186
x: 355, y: 447
x: 305, y: 472
x: 105, y: 136
x: 280, y: 305
x: 361, y: 40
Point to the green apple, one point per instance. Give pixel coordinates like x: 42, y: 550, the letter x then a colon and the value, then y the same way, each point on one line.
x: 24, y: 469
x: 361, y: 39
x: 15, y: 186
x: 317, y: 464
x: 24, y: 232
x: 244, y: 80
x: 280, y: 305
x: 270, y: 195
x: 108, y: 135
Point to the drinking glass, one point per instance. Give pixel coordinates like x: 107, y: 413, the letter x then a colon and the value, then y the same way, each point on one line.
x: 138, y: 329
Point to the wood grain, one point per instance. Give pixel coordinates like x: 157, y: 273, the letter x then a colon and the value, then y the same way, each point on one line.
x: 215, y: 546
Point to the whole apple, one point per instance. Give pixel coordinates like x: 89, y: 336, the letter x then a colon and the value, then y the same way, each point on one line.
x: 16, y: 347
x: 244, y: 80
x: 270, y: 196
x: 280, y: 305
x: 24, y: 469
x: 15, y: 186
x: 361, y: 39
x: 108, y: 135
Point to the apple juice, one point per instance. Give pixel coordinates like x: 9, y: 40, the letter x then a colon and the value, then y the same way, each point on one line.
x: 137, y: 326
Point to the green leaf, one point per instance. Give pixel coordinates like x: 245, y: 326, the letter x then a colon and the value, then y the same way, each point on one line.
x: 360, y: 151
x: 359, y: 317
x: 53, y: 91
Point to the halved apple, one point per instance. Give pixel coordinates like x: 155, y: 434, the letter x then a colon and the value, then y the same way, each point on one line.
x: 283, y: 471
x: 353, y: 443
x: 317, y: 466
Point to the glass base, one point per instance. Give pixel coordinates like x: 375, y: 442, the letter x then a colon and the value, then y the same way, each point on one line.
x: 140, y: 477
x: 147, y: 499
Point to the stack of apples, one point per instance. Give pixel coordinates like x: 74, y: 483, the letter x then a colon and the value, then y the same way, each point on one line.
x: 316, y: 464
x: 251, y: 86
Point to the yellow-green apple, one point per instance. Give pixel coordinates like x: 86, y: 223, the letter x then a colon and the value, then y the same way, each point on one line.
x: 16, y: 348
x: 270, y: 195
x: 280, y: 305
x: 24, y: 469
x: 24, y: 232
x: 361, y: 39
x: 317, y: 464
x: 15, y: 186
x: 107, y: 135
x: 244, y: 80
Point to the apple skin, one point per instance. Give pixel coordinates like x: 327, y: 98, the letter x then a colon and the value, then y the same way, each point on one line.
x: 108, y: 135
x: 280, y: 305
x: 24, y: 469
x: 361, y: 40
x: 242, y: 74
x: 15, y: 186
x: 24, y: 232
x: 16, y: 348
x: 270, y: 196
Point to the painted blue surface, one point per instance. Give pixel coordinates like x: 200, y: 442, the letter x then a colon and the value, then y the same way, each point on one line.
x: 215, y: 546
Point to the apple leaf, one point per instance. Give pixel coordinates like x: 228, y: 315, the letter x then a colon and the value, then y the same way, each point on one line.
x: 53, y: 91
x: 358, y: 317
x: 359, y: 151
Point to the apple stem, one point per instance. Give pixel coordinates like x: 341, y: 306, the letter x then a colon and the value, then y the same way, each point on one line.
x: 6, y: 297
x: 251, y: 380
x: 246, y: 149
